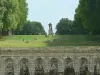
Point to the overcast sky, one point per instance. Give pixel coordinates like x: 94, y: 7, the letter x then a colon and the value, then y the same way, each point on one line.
x: 51, y: 11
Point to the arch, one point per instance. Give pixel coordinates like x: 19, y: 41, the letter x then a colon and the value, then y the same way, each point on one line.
x: 9, y: 68
x: 54, y: 60
x: 83, y: 61
x: 97, y: 66
x: 39, y: 61
x: 68, y: 62
x: 24, y: 62
x: 24, y: 69
x: 54, y: 66
x: 97, y: 60
x: 39, y: 69
x: 69, y: 67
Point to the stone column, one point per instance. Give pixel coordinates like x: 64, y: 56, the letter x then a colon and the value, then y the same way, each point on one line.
x: 46, y: 64
x: 91, y: 65
x: 61, y: 64
x: 2, y: 66
x: 31, y: 66
x: 16, y: 65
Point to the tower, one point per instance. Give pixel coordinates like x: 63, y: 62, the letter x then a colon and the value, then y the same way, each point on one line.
x: 50, y: 32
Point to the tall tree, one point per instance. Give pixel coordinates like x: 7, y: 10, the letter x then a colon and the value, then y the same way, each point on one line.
x: 88, y: 11
x: 22, y: 14
x: 77, y: 27
x: 64, y: 26
x: 33, y: 28
x: 2, y: 10
x: 13, y: 15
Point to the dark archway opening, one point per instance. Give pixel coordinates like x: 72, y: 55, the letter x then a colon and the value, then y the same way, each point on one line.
x: 69, y: 70
x: 24, y: 70
x: 39, y: 69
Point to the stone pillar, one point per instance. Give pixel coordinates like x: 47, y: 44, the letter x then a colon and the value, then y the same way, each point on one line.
x: 2, y: 66
x: 91, y: 65
x: 16, y: 65
x: 31, y: 66
x: 61, y: 64
x: 46, y: 64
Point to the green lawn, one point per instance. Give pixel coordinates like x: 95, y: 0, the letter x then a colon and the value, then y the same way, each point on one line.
x: 42, y: 41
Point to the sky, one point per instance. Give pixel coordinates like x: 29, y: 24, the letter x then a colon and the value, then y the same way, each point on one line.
x: 51, y: 11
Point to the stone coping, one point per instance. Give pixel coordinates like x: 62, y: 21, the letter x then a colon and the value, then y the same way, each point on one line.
x: 60, y: 49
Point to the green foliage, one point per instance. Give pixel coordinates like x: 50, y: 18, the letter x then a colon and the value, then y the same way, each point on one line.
x: 88, y: 11
x: 22, y: 14
x: 77, y: 27
x: 13, y: 14
x: 64, y: 26
x: 33, y: 28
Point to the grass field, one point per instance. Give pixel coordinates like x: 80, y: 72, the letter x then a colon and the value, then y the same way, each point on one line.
x: 42, y: 41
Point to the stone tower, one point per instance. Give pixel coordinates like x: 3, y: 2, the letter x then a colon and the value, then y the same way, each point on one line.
x: 50, y: 32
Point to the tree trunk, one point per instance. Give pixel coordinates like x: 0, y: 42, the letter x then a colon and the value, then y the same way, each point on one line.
x: 0, y: 33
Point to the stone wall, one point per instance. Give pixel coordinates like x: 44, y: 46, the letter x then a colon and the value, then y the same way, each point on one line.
x: 76, y: 54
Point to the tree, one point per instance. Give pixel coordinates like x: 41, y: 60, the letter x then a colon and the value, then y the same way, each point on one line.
x: 77, y: 27
x: 13, y: 14
x: 33, y: 28
x: 64, y: 26
x: 2, y: 10
x: 88, y: 11
x: 22, y: 14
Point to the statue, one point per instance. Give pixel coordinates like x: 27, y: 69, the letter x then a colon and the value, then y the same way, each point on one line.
x: 95, y: 70
x: 9, y: 69
x: 69, y: 70
x: 39, y: 70
x: 84, y: 70
x: 53, y: 69
x: 24, y: 71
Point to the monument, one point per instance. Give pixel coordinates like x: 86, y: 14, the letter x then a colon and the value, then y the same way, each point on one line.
x: 50, y: 32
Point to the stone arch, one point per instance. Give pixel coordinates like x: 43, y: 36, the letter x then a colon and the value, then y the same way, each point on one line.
x: 9, y: 66
x: 97, y: 60
x: 39, y: 69
x: 39, y: 61
x: 68, y: 61
x: 97, y: 66
x: 54, y: 66
x: 69, y: 67
x: 54, y: 61
x: 83, y: 66
x: 83, y: 61
x: 24, y: 69
x: 24, y: 61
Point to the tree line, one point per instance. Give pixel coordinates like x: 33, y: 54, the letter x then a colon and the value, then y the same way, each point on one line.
x: 13, y: 15
x: 13, y: 19
x: 86, y: 19
x: 31, y: 28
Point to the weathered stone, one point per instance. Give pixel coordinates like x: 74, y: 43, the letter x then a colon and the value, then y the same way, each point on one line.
x: 65, y: 57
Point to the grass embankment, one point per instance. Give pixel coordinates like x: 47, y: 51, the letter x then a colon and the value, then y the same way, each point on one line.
x: 42, y: 41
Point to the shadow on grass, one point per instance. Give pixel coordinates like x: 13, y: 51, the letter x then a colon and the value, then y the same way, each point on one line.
x: 74, y: 40
x: 2, y: 38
